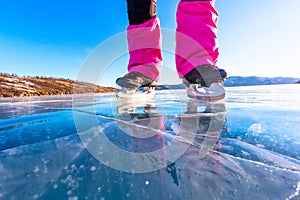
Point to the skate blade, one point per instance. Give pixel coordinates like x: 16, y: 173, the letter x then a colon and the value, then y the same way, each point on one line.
x: 145, y: 95
x: 215, y: 92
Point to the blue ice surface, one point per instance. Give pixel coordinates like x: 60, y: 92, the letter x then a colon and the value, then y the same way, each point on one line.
x: 170, y: 147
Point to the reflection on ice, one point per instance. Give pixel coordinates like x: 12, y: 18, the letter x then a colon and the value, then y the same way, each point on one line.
x: 170, y: 147
x: 147, y: 139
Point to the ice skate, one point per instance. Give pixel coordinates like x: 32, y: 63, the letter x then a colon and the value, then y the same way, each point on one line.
x: 135, y: 86
x: 210, y: 79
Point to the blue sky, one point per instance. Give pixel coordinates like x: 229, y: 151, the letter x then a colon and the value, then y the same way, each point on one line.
x: 53, y: 38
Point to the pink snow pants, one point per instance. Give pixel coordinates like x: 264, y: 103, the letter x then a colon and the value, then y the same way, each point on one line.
x: 196, y: 40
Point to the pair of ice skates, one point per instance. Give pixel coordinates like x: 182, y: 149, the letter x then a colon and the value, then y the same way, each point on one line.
x: 135, y: 85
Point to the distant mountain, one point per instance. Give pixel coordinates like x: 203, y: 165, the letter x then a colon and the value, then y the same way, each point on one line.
x: 170, y: 87
x: 14, y: 86
x: 243, y: 81
x: 255, y: 80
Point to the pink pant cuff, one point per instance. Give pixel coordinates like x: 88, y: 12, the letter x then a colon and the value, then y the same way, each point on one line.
x: 144, y: 43
x: 196, y: 35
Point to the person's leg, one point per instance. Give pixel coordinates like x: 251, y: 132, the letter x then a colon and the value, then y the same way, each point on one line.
x: 196, y: 39
x: 197, y: 49
x: 143, y: 34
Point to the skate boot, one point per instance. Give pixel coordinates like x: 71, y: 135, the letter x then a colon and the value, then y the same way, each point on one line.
x: 210, y: 78
x: 135, y: 86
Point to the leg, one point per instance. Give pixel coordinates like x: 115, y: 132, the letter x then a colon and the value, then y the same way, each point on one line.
x: 197, y: 48
x: 140, y: 11
x: 144, y: 45
x: 143, y: 34
x: 196, y: 35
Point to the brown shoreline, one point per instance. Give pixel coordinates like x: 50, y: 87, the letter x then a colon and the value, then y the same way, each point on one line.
x: 14, y: 86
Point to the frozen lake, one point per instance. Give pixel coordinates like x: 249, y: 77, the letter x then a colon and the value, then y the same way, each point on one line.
x: 171, y: 147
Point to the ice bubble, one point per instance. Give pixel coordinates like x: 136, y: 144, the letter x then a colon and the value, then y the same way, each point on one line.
x: 147, y: 182
x: 93, y: 168
x: 36, y: 169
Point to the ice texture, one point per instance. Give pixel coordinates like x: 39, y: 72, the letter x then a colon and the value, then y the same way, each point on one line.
x: 171, y: 147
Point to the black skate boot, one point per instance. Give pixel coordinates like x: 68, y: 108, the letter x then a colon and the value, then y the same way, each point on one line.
x: 135, y: 85
x: 210, y: 78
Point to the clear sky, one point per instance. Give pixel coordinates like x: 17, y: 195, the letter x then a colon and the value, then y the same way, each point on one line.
x: 54, y: 37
